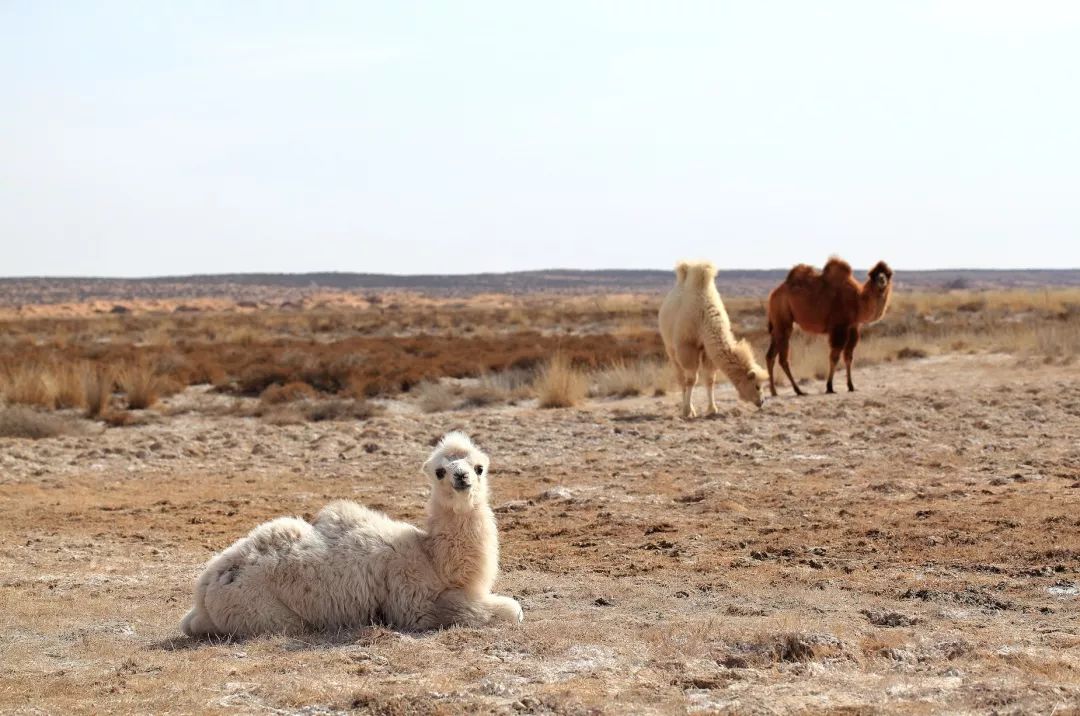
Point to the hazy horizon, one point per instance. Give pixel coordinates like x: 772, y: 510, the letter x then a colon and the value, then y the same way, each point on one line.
x: 196, y: 139
x: 858, y: 270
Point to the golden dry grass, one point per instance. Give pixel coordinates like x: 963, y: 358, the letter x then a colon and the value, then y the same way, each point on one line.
x: 624, y: 379
x: 559, y: 384
x: 387, y: 348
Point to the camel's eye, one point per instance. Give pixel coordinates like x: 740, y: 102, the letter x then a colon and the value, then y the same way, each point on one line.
x: 479, y: 469
x: 440, y: 473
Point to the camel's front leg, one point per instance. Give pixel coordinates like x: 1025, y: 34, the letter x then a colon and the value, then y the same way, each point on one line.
x: 505, y: 608
x: 710, y: 385
x: 688, y: 358
x: 849, y: 355
x: 837, y: 338
x: 454, y: 606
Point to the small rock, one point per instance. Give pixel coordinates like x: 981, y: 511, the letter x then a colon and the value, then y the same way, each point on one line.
x: 603, y: 602
x: 1064, y: 588
x: 557, y: 493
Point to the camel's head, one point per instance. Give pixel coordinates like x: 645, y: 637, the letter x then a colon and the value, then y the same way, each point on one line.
x: 876, y: 293
x: 458, y: 471
x: 881, y: 276
x: 749, y: 385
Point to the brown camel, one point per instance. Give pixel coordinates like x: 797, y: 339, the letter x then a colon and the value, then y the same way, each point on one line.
x: 830, y: 302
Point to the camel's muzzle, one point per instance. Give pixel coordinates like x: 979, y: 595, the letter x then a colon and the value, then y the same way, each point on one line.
x: 461, y: 481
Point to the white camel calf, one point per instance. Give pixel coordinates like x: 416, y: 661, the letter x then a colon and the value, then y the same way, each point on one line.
x: 354, y: 566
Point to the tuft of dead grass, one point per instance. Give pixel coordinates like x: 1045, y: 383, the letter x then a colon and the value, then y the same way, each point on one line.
x: 435, y: 397
x: 560, y: 385
x: 624, y: 379
x: 508, y: 386
x: 29, y: 384
x: 141, y: 385
x: 97, y: 384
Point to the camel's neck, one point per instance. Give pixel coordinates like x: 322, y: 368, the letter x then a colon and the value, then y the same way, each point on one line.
x: 872, y: 305
x: 464, y: 546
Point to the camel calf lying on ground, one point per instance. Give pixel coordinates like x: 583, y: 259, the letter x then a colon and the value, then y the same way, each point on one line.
x: 352, y: 566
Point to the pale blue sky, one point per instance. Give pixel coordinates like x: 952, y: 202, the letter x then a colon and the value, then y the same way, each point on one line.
x: 150, y: 138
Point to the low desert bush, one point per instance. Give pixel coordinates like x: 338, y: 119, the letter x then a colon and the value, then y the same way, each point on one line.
x: 23, y: 422
x: 559, y: 384
x: 287, y: 393
x: 342, y: 410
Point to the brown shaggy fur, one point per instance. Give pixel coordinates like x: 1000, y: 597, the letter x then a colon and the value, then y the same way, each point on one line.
x: 830, y: 302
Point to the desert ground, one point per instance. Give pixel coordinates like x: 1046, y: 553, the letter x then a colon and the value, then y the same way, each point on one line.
x: 912, y: 547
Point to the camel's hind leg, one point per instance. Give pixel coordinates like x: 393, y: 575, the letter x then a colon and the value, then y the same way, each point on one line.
x: 234, y: 605
x: 783, y: 351
x: 241, y: 591
x: 687, y: 357
x: 849, y: 354
x: 710, y: 382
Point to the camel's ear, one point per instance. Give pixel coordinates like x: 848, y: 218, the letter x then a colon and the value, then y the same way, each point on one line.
x: 758, y: 373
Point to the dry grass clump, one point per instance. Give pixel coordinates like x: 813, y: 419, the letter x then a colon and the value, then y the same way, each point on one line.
x: 23, y: 422
x: 53, y: 385
x: 29, y: 384
x: 435, y: 397
x: 623, y: 379
x: 97, y: 390
x: 559, y: 384
x: 508, y: 386
x: 142, y: 386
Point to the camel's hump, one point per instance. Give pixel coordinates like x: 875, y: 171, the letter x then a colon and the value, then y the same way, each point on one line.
x: 836, y: 270
x: 695, y: 274
x: 801, y: 273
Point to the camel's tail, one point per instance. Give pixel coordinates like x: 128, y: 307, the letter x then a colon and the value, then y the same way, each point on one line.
x: 695, y: 274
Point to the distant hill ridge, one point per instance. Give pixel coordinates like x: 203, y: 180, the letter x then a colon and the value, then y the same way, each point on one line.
x: 32, y: 290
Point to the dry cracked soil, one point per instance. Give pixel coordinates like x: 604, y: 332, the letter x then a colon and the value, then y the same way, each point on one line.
x: 913, y: 547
